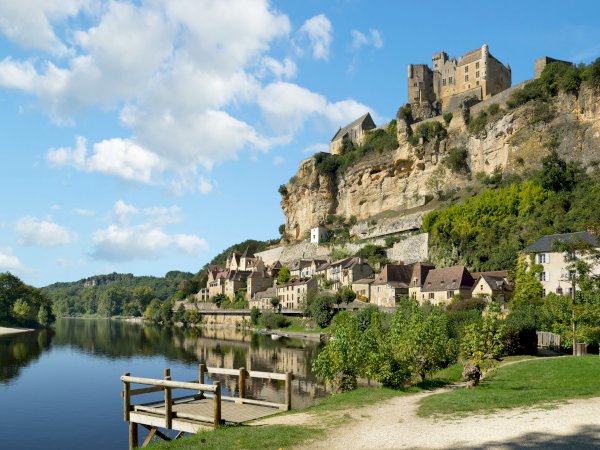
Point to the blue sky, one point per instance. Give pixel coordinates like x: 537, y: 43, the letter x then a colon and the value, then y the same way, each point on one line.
x: 147, y: 136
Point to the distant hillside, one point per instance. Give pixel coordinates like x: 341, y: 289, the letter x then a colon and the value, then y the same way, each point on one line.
x: 114, y: 294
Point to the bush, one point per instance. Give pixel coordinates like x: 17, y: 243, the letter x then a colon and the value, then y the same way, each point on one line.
x: 460, y: 304
x: 283, y: 190
x: 405, y: 112
x: 531, y: 91
x: 271, y: 320
x: 521, y: 325
x: 447, y: 118
x: 429, y: 131
x: 321, y: 310
x: 591, y: 74
x: 254, y: 315
x: 456, y: 160
x: 477, y: 125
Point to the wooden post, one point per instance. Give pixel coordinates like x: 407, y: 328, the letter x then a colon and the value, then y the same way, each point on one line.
x: 168, y: 402
x: 126, y: 399
x: 217, y: 403
x: 201, y: 372
x: 242, y: 382
x: 133, y: 435
x: 288, y: 390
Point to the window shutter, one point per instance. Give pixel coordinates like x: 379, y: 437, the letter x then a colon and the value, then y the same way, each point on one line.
x: 547, y: 258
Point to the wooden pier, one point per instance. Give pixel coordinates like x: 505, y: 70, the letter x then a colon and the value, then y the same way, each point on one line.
x: 205, y: 409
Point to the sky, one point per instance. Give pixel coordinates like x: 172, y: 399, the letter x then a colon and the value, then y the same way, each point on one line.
x: 147, y: 136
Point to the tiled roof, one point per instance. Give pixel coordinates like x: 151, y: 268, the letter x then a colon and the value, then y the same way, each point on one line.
x: 547, y: 243
x: 495, y: 273
x: 449, y: 278
x: 394, y: 273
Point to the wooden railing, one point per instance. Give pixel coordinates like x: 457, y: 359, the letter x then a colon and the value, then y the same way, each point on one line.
x: 548, y: 340
x: 167, y: 385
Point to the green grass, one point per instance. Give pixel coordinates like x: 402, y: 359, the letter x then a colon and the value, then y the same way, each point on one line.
x: 524, y: 384
x: 330, y: 413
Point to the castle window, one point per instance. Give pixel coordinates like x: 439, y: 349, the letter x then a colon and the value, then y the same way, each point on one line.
x: 466, y: 69
x: 477, y: 82
x: 477, y: 65
x: 449, y: 80
x: 415, y: 84
x: 466, y: 77
x: 444, y: 82
x: 476, y: 74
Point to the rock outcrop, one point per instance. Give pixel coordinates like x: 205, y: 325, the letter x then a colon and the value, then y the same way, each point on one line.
x: 412, y: 175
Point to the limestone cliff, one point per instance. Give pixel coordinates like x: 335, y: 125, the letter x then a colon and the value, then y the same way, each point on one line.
x: 412, y: 175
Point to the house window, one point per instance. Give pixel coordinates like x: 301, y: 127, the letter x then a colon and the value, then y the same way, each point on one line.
x: 450, y: 294
x: 477, y: 65
x: 542, y: 259
x: 544, y: 276
x: 466, y: 77
x: 477, y: 74
x: 543, y: 292
x: 431, y: 296
x: 449, y: 80
x: 444, y: 82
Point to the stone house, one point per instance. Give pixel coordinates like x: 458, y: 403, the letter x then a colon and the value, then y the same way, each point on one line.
x: 245, y: 262
x: 392, y: 282
x: 477, y: 73
x: 362, y: 288
x: 354, y: 131
x: 492, y: 285
x: 262, y: 300
x: 419, y: 274
x: 274, y: 268
x: 257, y: 281
x: 235, y: 280
x: 441, y: 285
x: 292, y: 295
x: 556, y: 275
x: 345, y: 271
x: 216, y: 282
x: 299, y: 268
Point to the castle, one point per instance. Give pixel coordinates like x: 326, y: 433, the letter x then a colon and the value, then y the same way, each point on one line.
x: 476, y: 74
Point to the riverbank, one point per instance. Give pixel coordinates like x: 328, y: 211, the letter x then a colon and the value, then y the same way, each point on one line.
x: 11, y: 330
x: 541, y: 397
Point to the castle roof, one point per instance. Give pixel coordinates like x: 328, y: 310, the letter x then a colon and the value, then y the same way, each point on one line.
x: 365, y: 119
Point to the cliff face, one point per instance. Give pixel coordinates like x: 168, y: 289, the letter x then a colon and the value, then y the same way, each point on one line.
x: 411, y: 175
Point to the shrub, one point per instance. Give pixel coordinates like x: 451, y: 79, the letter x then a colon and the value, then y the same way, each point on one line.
x: 456, y: 160
x: 430, y: 131
x: 521, y: 326
x: 493, y: 109
x: 531, y: 91
x: 447, y: 118
x: 477, y: 125
x: 283, y: 190
x: 281, y: 229
x: 460, y: 304
x: 321, y: 310
x: 591, y: 74
x: 405, y: 112
x: 271, y: 320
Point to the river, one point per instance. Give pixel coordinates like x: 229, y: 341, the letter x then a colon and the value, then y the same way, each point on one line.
x: 59, y: 389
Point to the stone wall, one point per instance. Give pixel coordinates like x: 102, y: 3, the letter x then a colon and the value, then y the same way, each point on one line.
x: 385, y: 227
x: 410, y: 250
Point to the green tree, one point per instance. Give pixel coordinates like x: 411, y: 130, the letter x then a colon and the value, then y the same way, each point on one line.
x: 528, y: 289
x: 20, y: 309
x: 219, y: 299
x: 254, y: 315
x: 557, y: 175
x: 321, y: 310
x: 275, y: 302
x: 284, y: 275
x: 345, y: 295
x: 43, y: 317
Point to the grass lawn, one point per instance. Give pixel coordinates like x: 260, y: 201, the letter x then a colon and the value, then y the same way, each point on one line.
x: 523, y: 384
x: 329, y: 413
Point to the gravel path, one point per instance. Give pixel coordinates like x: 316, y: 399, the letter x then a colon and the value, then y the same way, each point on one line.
x: 393, y: 424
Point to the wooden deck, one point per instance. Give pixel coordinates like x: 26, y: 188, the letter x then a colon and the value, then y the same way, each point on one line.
x: 204, y: 409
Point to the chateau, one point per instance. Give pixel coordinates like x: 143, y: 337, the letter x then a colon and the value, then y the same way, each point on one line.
x: 476, y: 74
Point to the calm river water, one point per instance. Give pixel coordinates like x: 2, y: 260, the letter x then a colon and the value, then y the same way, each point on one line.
x: 59, y: 389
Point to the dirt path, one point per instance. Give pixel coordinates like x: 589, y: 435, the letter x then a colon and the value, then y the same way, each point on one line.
x: 393, y: 424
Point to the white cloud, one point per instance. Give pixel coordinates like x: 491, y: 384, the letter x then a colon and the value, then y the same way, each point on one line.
x: 32, y: 231
x: 10, y: 263
x: 190, y: 70
x: 83, y: 212
x: 124, y: 241
x: 319, y: 32
x: 119, y: 157
x: 29, y: 22
x: 287, y: 106
x: 278, y: 160
x: 360, y: 39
